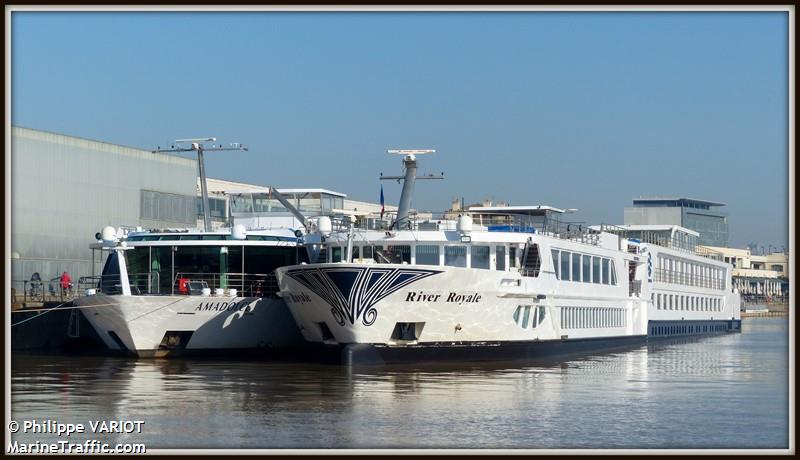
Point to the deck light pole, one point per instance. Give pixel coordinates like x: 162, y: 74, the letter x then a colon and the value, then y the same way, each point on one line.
x: 195, y: 145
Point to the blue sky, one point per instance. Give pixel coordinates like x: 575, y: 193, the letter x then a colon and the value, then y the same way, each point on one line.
x: 574, y: 110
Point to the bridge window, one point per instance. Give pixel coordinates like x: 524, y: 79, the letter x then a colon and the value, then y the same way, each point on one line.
x: 427, y: 255
x: 399, y: 254
x: 606, y: 278
x: 455, y: 256
x: 480, y: 257
x: 367, y: 252
x: 500, y: 256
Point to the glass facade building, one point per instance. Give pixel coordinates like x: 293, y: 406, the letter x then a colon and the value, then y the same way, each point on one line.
x: 697, y: 215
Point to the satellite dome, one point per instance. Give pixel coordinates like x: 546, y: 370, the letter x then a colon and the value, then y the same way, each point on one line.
x: 108, y: 234
x: 238, y: 232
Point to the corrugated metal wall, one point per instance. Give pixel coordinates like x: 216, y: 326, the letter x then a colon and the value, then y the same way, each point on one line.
x: 65, y: 189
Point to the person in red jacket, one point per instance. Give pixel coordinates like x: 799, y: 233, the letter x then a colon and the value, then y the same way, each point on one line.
x: 66, y: 282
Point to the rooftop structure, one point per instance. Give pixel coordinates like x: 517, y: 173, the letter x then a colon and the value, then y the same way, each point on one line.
x: 676, y: 202
x: 528, y: 210
x: 253, y: 205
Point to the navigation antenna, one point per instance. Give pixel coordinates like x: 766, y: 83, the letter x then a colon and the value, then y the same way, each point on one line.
x: 409, y: 179
x: 197, y: 146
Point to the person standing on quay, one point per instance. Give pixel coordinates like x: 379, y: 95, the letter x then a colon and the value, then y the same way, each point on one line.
x: 36, y: 284
x: 66, y: 283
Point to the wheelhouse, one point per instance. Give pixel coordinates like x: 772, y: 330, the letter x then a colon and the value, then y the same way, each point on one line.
x: 185, y: 263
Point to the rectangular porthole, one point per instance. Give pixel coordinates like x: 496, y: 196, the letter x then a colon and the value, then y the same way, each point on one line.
x: 326, y: 332
x: 175, y: 340
x: 407, y: 331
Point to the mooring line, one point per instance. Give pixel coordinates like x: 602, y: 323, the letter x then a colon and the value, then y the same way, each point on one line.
x: 57, y: 307
x: 153, y: 311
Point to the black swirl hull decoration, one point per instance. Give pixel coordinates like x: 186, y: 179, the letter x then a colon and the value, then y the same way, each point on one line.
x: 352, y: 292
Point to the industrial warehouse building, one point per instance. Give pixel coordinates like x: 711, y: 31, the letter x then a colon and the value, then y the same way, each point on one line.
x: 65, y: 189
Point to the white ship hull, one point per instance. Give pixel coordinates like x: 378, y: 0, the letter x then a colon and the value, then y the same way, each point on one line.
x: 155, y: 326
x: 447, y: 306
x: 382, y: 311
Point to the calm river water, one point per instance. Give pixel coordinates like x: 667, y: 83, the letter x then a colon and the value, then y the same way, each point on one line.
x: 728, y: 391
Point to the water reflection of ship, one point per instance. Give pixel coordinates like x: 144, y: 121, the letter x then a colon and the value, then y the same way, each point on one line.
x: 689, y: 356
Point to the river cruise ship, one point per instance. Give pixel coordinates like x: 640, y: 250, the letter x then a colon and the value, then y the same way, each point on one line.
x: 497, y: 283
x: 191, y: 291
x: 163, y: 293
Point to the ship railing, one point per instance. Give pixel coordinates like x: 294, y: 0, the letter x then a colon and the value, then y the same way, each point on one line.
x: 500, y: 222
x: 25, y: 293
x: 385, y: 222
x: 687, y: 279
x: 140, y: 284
x: 245, y: 284
x: 184, y: 283
x: 653, y: 237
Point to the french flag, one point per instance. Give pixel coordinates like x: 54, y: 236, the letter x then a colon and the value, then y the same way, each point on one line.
x: 382, y: 207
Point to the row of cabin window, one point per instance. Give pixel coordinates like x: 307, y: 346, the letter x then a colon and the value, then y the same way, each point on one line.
x: 687, y: 329
x: 451, y: 255
x: 523, y: 313
x: 687, y: 273
x: 571, y: 266
x: 591, y: 317
x: 686, y: 302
